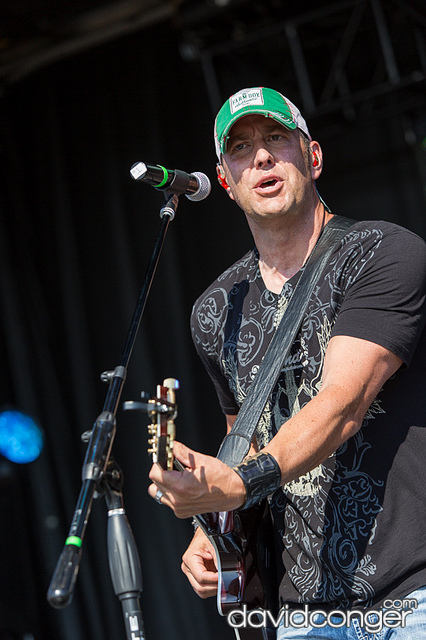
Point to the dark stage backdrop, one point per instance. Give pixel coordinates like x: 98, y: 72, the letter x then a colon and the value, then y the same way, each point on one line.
x: 75, y: 238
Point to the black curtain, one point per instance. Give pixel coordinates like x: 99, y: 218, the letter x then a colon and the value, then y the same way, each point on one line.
x: 75, y: 238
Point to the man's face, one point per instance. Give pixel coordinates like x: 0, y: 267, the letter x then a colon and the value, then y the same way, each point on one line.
x: 267, y: 169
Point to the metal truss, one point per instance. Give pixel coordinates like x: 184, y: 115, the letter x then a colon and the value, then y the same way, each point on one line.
x: 341, y: 59
x: 348, y: 58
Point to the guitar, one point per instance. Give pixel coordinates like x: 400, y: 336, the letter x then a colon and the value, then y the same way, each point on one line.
x: 242, y: 539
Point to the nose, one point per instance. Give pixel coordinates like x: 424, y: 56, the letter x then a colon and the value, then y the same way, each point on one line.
x: 263, y: 157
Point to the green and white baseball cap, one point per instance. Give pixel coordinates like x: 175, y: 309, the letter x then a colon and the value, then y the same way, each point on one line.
x: 256, y: 100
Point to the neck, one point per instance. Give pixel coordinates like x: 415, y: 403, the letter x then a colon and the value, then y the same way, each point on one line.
x: 284, y: 248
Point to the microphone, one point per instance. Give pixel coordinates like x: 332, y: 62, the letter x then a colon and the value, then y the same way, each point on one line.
x: 196, y: 186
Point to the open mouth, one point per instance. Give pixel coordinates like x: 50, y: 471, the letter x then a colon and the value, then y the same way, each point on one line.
x: 268, y: 183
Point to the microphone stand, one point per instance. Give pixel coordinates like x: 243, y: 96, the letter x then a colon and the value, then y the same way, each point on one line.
x: 102, y: 476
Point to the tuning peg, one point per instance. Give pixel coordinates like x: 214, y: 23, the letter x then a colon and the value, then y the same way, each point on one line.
x: 171, y: 383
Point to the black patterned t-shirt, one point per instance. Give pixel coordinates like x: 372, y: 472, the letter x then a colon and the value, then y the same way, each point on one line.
x: 353, y: 529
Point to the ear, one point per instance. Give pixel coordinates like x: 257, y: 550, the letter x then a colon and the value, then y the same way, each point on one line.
x: 221, y: 178
x: 316, y: 160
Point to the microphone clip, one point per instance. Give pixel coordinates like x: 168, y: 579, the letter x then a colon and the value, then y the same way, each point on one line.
x: 170, y: 205
x: 179, y: 184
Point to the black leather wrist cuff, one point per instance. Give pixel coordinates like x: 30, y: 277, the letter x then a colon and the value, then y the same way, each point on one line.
x: 261, y: 475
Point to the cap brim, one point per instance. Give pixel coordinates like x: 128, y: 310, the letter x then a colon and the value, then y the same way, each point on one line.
x: 286, y: 122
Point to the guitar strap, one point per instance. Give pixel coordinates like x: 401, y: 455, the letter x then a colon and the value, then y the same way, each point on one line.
x: 236, y: 443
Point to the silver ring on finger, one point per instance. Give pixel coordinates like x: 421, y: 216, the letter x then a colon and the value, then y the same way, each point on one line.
x: 158, y: 496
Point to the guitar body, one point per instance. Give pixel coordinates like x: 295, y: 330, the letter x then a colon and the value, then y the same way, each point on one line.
x: 243, y: 541
x: 240, y: 551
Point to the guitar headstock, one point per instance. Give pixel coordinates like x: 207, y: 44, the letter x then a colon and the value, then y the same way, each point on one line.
x: 162, y: 428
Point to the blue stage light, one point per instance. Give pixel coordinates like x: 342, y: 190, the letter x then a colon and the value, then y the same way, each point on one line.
x: 21, y: 440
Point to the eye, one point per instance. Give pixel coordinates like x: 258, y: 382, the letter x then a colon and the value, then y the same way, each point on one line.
x: 276, y: 137
x: 237, y: 147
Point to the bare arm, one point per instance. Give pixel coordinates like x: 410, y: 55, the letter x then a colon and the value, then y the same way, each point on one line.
x: 354, y: 372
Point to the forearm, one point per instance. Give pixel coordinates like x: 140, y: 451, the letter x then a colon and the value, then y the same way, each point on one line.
x: 314, y: 433
x: 354, y: 372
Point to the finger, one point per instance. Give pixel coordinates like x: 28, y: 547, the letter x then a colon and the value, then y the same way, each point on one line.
x: 201, y: 560
x: 184, y: 454
x: 164, y: 479
x: 160, y: 494
x: 202, y: 591
x: 200, y: 574
x: 202, y: 579
x: 152, y: 490
x: 156, y: 473
x: 157, y: 494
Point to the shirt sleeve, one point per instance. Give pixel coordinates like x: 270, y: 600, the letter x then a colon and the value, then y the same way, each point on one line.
x: 225, y: 396
x: 207, y: 347
x: 385, y: 303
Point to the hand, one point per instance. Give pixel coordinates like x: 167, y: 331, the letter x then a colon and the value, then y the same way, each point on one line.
x: 206, y: 485
x: 199, y: 566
